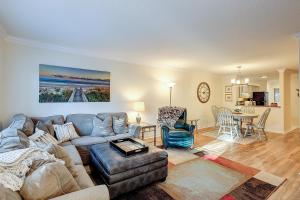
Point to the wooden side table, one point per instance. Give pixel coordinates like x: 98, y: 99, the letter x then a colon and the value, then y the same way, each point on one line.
x: 195, y: 122
x: 147, y: 127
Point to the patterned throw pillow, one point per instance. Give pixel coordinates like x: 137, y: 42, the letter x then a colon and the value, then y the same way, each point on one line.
x: 65, y: 132
x: 102, y: 127
x: 119, y: 125
x: 41, y: 138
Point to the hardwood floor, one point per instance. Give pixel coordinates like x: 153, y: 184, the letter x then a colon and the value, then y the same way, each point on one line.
x: 280, y: 155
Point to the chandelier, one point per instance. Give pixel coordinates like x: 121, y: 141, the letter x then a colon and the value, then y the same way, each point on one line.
x: 239, y: 79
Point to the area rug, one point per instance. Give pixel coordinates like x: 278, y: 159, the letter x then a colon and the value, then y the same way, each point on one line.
x: 227, y: 138
x: 177, y: 155
x: 201, y: 179
x: 259, y: 187
x: 152, y: 192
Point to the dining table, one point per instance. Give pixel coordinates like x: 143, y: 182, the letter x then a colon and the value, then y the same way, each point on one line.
x: 242, y: 117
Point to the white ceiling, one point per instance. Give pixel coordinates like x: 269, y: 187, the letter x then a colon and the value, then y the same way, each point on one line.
x: 212, y: 35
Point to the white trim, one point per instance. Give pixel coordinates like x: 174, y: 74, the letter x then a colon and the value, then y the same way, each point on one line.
x: 42, y: 45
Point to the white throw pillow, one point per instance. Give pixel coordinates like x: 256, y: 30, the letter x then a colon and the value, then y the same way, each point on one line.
x: 65, y: 132
x: 41, y: 138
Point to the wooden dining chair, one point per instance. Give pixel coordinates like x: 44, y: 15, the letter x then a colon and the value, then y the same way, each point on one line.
x: 260, y: 126
x: 227, y: 123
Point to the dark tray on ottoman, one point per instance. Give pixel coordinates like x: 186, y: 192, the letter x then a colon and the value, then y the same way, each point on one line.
x: 124, y: 174
x: 129, y: 146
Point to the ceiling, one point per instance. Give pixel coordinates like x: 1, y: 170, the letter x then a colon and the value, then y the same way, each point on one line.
x: 210, y: 35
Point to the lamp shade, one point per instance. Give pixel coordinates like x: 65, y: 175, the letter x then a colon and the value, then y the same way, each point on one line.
x: 139, y: 106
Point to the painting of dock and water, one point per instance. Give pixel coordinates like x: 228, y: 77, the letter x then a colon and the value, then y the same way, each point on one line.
x: 68, y: 84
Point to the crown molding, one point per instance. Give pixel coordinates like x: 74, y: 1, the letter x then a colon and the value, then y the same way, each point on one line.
x: 297, y: 35
x: 48, y: 46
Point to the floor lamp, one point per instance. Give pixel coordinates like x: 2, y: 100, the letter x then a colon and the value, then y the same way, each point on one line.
x: 171, y: 85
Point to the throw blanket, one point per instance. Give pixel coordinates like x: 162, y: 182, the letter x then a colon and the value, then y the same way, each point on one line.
x: 15, y: 164
x: 168, y: 115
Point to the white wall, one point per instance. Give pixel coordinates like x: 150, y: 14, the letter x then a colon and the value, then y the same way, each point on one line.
x: 198, y: 110
x: 129, y: 83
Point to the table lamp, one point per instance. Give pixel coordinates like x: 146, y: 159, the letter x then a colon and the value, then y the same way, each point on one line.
x: 139, y: 106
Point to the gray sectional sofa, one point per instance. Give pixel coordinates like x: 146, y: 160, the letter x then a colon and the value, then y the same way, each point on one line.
x: 78, y: 149
x: 83, y: 124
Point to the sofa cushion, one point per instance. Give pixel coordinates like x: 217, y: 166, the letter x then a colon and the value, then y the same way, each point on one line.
x: 55, y: 119
x: 8, y: 194
x: 99, y: 192
x: 73, y: 153
x: 22, y: 123
x: 87, y: 140
x: 48, y: 181
x: 117, y: 137
x: 49, y: 121
x: 102, y: 126
x: 83, y: 123
x: 82, y: 178
x: 12, y: 139
x: 45, y: 127
x: 60, y: 153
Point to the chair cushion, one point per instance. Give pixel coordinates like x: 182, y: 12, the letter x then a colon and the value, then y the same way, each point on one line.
x: 87, y: 140
x: 83, y: 123
x: 113, y: 162
x: 179, y: 133
x: 73, y: 153
x: 82, y: 178
x: 117, y: 137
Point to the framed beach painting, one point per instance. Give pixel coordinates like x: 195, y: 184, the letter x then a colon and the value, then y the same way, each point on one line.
x: 67, y: 84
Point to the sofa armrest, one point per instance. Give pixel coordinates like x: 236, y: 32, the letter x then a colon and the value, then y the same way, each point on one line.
x: 134, y: 130
x: 99, y: 192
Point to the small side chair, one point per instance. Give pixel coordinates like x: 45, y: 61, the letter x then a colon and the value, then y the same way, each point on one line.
x: 181, y: 136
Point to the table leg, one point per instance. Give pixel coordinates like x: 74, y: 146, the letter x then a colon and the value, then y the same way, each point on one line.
x: 241, y: 127
x: 155, y: 136
x: 142, y: 134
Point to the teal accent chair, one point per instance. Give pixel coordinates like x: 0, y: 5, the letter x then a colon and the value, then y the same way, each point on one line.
x: 181, y: 136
